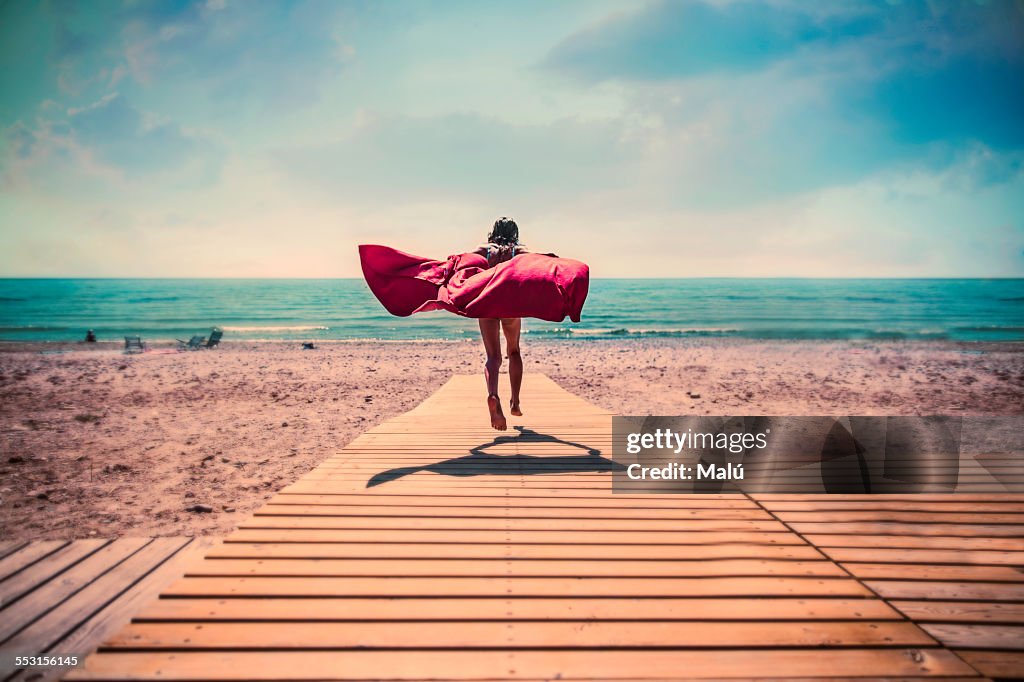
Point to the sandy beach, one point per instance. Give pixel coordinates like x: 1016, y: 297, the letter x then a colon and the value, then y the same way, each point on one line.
x: 98, y: 443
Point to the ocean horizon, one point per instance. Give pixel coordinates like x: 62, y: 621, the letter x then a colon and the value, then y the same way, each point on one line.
x: 160, y: 309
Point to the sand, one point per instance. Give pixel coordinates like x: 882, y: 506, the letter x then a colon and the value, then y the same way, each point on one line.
x: 94, y: 443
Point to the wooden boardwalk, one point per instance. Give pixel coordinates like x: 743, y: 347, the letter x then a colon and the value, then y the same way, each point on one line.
x: 65, y: 597
x: 431, y: 549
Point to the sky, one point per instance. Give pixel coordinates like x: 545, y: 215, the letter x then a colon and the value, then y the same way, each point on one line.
x: 650, y: 139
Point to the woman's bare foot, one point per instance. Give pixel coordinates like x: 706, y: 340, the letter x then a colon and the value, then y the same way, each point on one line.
x: 515, y: 409
x: 497, y: 416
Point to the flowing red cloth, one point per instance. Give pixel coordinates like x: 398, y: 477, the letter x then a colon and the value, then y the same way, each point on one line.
x: 528, y: 285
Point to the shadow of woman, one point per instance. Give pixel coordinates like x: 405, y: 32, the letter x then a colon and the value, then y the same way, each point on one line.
x: 479, y: 462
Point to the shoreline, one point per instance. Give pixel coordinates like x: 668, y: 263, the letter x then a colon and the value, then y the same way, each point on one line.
x: 98, y: 443
x: 15, y: 346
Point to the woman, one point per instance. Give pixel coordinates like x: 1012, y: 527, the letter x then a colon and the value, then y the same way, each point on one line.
x: 499, y: 283
x: 502, y: 245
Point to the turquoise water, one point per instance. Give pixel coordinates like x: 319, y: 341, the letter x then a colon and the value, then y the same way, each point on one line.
x: 309, y: 309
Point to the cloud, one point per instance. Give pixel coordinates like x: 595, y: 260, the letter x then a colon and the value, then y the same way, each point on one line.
x: 122, y: 136
x: 981, y: 167
x: 762, y: 99
x: 462, y: 155
x: 274, y: 56
x: 106, y: 147
x: 21, y: 140
x: 237, y: 52
x: 678, y: 39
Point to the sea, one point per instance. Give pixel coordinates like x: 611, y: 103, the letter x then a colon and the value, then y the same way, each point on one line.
x: 344, y: 309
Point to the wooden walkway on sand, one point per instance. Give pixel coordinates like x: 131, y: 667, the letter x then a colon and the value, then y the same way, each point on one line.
x: 65, y: 597
x: 429, y: 548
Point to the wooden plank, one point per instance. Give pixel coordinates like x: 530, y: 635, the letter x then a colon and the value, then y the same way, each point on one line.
x: 514, y: 587
x: 927, y: 541
x: 977, y: 636
x: 996, y: 664
x: 513, y: 537
x: 398, y: 504
x: 924, y: 556
x: 26, y: 556
x: 422, y: 444
x: 888, y: 678
x: 932, y: 572
x: 529, y: 635
x: 41, y: 600
x: 39, y: 572
x: 908, y: 517
x: 950, y: 505
x: 10, y: 546
x: 504, y: 508
x: 556, y: 664
x: 516, y: 497
x: 947, y: 591
x: 429, y: 446
x: 515, y: 493
x: 915, y: 529
x: 350, y: 550
x: 502, y: 568
x: 475, y: 455
x: 501, y: 524
x: 961, y: 611
x: 553, y: 608
x: 768, y: 498
x: 441, y: 485
x: 569, y: 467
x: 525, y: 514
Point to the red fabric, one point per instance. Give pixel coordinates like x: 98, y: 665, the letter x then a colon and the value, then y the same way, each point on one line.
x: 529, y: 285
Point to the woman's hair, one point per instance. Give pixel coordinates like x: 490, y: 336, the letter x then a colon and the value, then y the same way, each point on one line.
x: 505, y: 232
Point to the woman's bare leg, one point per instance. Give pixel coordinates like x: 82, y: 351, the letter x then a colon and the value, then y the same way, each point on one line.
x: 512, y: 327
x: 492, y: 347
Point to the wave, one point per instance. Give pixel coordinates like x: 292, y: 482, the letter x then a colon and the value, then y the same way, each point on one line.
x: 153, y: 299
x: 989, y: 328
x: 296, y: 328
x: 770, y: 333
x: 619, y: 332
x: 868, y: 299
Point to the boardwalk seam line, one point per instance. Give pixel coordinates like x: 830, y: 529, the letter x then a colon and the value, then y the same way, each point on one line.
x: 938, y: 643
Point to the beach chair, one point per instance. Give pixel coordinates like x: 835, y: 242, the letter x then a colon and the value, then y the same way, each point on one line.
x: 215, y: 336
x: 195, y: 343
x: 134, y: 344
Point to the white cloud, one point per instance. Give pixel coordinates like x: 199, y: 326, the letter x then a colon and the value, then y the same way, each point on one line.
x: 224, y: 155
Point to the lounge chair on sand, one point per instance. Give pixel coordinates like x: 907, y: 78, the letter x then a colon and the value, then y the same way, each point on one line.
x: 199, y: 341
x: 215, y: 336
x: 195, y: 343
x: 134, y: 344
